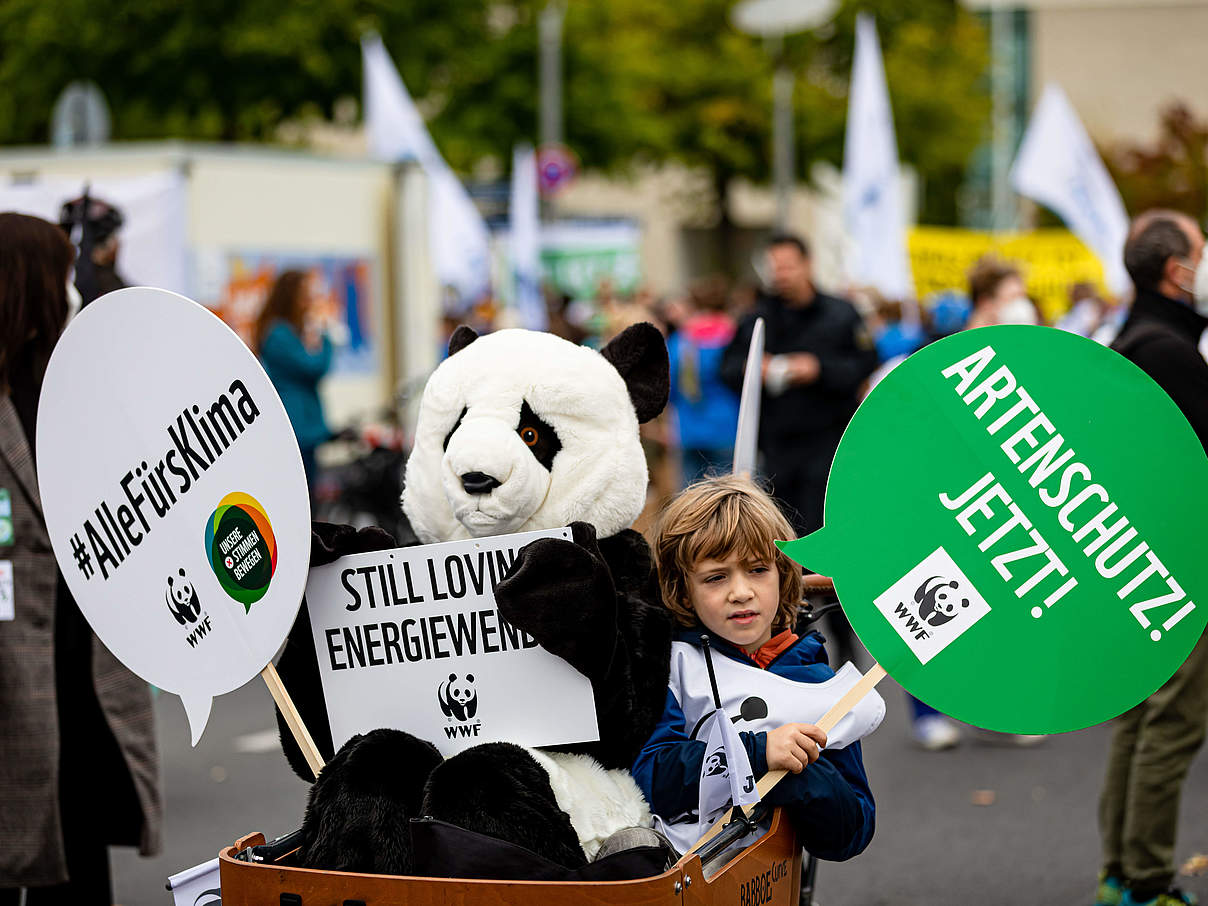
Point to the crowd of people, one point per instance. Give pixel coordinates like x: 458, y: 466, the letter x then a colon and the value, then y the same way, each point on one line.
x: 73, y: 713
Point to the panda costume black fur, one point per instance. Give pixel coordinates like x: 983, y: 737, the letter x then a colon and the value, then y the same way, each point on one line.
x: 517, y: 431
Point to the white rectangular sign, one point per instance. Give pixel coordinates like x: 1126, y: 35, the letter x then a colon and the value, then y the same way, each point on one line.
x: 411, y: 639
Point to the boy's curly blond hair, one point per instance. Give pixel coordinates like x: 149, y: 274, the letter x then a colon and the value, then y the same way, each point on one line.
x: 711, y: 519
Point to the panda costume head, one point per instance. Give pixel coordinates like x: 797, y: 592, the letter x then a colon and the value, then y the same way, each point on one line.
x: 528, y: 431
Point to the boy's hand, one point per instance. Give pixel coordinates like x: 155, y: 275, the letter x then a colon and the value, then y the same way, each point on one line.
x: 793, y: 746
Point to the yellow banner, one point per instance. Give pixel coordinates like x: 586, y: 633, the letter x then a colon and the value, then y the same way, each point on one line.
x: 1050, y: 261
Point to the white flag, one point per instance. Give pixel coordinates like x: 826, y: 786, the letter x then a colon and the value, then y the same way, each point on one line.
x: 196, y: 886
x: 746, y: 438
x: 1058, y: 166
x: 726, y: 777
x: 872, y: 200
x: 525, y: 240
x: 457, y: 233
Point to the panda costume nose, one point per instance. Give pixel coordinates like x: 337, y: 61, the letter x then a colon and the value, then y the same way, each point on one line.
x: 478, y: 483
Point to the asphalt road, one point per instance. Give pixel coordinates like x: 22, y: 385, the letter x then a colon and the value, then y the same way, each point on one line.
x: 983, y: 823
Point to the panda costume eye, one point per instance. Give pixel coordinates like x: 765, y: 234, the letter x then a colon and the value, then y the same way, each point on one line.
x: 538, y: 435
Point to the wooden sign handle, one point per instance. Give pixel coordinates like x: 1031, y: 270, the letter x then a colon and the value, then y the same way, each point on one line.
x: 285, y: 705
x: 837, y: 712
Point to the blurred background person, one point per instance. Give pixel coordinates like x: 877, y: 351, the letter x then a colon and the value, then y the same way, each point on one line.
x: 296, y: 350
x: 997, y: 295
x: 705, y: 409
x: 818, y: 352
x: 1154, y: 744
x: 92, y: 225
x: 947, y: 312
x: 78, y: 764
x: 897, y: 327
x: 1086, y: 312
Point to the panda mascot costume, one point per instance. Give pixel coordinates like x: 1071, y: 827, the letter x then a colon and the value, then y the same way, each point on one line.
x: 517, y: 431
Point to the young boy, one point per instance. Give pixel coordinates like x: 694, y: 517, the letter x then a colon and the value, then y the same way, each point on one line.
x: 722, y: 576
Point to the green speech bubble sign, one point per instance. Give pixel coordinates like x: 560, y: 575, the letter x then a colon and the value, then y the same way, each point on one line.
x: 1063, y: 493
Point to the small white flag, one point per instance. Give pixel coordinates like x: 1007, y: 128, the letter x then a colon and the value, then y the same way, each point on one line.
x: 197, y: 886
x: 746, y: 438
x: 525, y: 240
x: 457, y: 234
x: 1058, y: 166
x: 726, y: 777
x: 872, y: 201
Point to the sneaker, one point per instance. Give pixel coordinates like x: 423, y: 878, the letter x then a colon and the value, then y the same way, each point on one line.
x: 1026, y: 741
x: 1172, y: 897
x: 934, y: 732
x: 995, y: 738
x: 1110, y: 891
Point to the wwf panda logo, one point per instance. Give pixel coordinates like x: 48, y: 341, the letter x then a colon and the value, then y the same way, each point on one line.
x: 458, y: 698
x: 181, y: 598
x: 715, y: 764
x: 939, y: 603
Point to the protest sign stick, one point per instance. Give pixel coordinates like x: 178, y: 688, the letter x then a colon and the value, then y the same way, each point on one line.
x: 285, y: 705
x: 838, y: 711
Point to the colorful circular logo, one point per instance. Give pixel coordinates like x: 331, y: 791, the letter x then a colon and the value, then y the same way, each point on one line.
x: 241, y: 547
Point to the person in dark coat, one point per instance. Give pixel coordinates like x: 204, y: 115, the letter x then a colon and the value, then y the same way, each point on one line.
x: 1154, y: 744
x: 817, y: 354
x: 78, y: 765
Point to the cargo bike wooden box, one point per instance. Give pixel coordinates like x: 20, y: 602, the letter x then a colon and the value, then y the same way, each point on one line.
x: 765, y: 873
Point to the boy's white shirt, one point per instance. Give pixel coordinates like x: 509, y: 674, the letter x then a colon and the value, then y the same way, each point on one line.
x: 788, y: 701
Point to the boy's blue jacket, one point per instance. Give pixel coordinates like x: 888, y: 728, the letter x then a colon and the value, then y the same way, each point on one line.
x: 829, y: 802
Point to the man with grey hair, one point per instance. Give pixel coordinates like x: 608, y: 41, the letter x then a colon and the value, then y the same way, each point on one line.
x: 1153, y: 744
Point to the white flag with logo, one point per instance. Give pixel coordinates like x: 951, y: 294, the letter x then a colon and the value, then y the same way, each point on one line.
x: 726, y: 777
x: 457, y: 234
x: 197, y: 886
x: 1058, y: 166
x: 525, y: 240
x: 872, y: 199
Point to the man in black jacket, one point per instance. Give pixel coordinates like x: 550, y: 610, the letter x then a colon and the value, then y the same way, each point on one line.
x: 817, y: 354
x: 1154, y: 743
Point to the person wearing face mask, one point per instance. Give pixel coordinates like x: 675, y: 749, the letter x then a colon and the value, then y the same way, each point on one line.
x: 78, y: 764
x: 997, y: 293
x: 1153, y: 745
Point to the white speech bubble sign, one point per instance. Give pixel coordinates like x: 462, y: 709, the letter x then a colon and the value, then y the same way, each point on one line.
x: 164, y: 453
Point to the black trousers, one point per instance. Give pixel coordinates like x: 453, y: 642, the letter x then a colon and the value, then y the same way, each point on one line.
x: 797, y: 469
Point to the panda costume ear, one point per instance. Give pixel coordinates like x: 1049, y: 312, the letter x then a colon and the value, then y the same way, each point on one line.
x: 462, y: 337
x: 639, y: 353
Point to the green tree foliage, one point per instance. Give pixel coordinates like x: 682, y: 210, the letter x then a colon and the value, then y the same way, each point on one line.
x: 645, y: 81
x: 1172, y: 172
x: 216, y: 69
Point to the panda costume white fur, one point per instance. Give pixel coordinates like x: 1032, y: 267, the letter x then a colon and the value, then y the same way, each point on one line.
x: 517, y: 431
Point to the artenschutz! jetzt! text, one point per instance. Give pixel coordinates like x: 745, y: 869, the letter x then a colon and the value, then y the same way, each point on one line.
x: 1085, y: 509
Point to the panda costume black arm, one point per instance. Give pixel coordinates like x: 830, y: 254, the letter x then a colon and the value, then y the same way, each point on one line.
x: 520, y: 431
x: 619, y: 640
